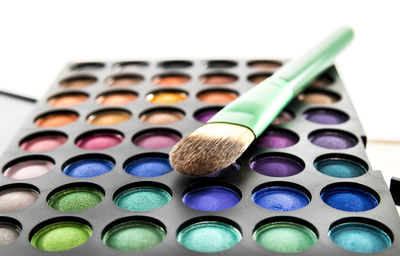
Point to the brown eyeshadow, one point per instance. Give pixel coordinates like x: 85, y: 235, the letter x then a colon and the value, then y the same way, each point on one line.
x: 124, y: 80
x: 108, y: 117
x: 265, y: 64
x: 218, y: 79
x: 284, y: 117
x: 67, y: 100
x: 116, y: 98
x: 161, y: 116
x: 318, y: 97
x: 217, y: 96
x: 322, y: 81
x: 78, y: 81
x: 56, y: 119
x: 258, y: 78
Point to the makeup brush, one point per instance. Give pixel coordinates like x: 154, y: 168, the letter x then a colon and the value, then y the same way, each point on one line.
x: 225, y: 137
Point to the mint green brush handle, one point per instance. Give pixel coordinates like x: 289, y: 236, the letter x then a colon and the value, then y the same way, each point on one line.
x: 258, y: 107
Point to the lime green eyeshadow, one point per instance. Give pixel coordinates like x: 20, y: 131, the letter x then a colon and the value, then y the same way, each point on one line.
x: 133, y: 236
x: 75, y: 199
x: 61, y: 236
x: 209, y: 236
x: 285, y: 237
x: 142, y: 199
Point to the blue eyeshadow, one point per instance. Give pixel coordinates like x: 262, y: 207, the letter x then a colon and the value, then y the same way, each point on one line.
x: 149, y: 167
x: 349, y: 199
x: 212, y: 198
x: 340, y: 168
x: 88, y: 168
x: 280, y: 199
x: 360, y: 237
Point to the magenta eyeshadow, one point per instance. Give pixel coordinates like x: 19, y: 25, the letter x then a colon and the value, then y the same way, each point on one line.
x: 156, y: 139
x: 99, y: 141
x: 206, y: 114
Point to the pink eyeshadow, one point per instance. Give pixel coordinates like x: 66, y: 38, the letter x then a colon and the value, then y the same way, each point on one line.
x: 99, y: 141
x: 28, y: 169
x: 43, y: 143
x: 156, y: 139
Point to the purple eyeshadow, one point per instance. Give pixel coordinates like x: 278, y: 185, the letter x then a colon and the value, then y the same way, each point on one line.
x: 277, y: 139
x: 332, y: 139
x: 277, y: 166
x: 156, y: 139
x: 325, y: 116
x: 205, y: 114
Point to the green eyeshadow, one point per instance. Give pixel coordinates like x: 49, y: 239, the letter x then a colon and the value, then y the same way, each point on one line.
x: 75, y: 199
x: 142, y: 198
x: 285, y: 237
x: 61, y: 236
x: 209, y: 236
x: 133, y: 236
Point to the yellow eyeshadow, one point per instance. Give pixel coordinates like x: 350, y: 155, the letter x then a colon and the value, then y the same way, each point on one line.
x: 166, y: 97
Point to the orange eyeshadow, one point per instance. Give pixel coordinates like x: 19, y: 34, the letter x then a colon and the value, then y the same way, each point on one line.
x: 166, y: 97
x: 124, y: 80
x: 218, y: 79
x: 162, y: 116
x: 217, y: 96
x: 67, y: 100
x: 78, y: 82
x: 56, y: 119
x: 116, y: 98
x: 108, y: 117
x: 171, y: 80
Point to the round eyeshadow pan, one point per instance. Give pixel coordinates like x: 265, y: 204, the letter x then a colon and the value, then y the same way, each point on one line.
x: 14, y: 199
x: 318, y: 97
x: 217, y: 96
x: 349, y: 199
x: 9, y: 233
x: 276, y: 166
x: 43, y: 142
x: 211, y: 198
x: 325, y: 116
x: 124, y: 80
x: 206, y: 114
x: 322, y: 81
x: 175, y: 64
x: 171, y: 79
x: 148, y: 167
x: 265, y: 64
x: 209, y: 236
x: 285, y: 237
x: 130, y: 65
x: 277, y: 139
x: 142, y: 198
x: 360, y: 237
x: 134, y: 236
x: 88, y: 168
x: 281, y: 199
x: 161, y: 116
x: 78, y: 81
x: 156, y: 139
x: 61, y: 236
x: 67, y: 100
x: 88, y: 66
x: 332, y: 139
x: 221, y: 64
x: 284, y: 117
x: 340, y: 167
x: 75, y: 199
x: 116, y: 98
x: 99, y: 140
x: 56, y: 119
x: 258, y: 78
x: 218, y: 79
x: 28, y: 169
x: 108, y: 117
x: 166, y: 97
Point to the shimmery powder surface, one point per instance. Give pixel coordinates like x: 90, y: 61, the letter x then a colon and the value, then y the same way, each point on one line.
x: 28, y: 169
x: 134, y: 236
x: 166, y: 97
x: 75, y: 199
x: 212, y: 198
x: 285, y: 237
x: 149, y: 167
x: 332, y: 139
x: 349, y: 199
x: 8, y: 234
x: 43, y: 143
x: 98, y: 141
x: 61, y: 236
x: 209, y: 236
x: 276, y: 166
x: 206, y: 114
x: 277, y: 139
x: 56, y: 119
x: 88, y: 168
x: 161, y: 116
x: 340, y: 168
x: 280, y: 199
x: 325, y: 116
x: 109, y: 117
x: 360, y: 237
x: 142, y: 199
x: 283, y: 117
x: 156, y: 140
x: 15, y: 199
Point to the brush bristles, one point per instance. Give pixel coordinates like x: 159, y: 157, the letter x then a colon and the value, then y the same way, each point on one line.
x: 210, y: 148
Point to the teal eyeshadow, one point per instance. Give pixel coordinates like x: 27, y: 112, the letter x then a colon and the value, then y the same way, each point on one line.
x: 360, y: 237
x: 140, y: 199
x: 340, y: 168
x: 209, y: 236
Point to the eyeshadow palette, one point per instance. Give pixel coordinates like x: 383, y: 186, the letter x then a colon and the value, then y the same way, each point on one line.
x: 88, y: 173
